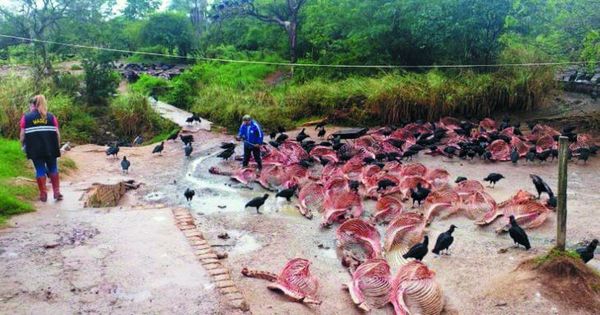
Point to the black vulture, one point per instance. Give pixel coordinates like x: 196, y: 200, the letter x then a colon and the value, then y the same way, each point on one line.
x: 281, y: 138
x: 113, y: 151
x: 587, y: 253
x: 287, y: 193
x: 541, y: 186
x: 514, y: 156
x: 353, y: 185
x: 493, y: 178
x: 159, y: 148
x: 419, y: 250
x: 384, y: 184
x: 189, y: 194
x: 322, y: 132
x: 419, y: 194
x: 517, y: 234
x: 257, y: 202
x: 225, y: 155
x: 460, y: 179
x: 188, y: 150
x: 125, y: 164
x: 444, y: 241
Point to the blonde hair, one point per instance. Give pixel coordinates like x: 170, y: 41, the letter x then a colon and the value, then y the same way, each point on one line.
x: 41, y: 105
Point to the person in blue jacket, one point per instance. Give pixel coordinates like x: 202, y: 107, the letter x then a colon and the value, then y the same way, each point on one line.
x: 252, y: 135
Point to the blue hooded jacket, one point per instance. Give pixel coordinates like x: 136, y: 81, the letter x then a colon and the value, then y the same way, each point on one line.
x: 252, y: 134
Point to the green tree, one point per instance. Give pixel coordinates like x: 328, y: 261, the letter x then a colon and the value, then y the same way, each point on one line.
x: 101, y: 81
x: 170, y: 30
x: 137, y: 9
x: 35, y: 19
x: 196, y: 9
x: 591, y: 49
x: 285, y: 14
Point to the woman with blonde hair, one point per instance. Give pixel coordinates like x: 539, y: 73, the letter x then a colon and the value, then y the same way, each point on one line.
x: 40, y: 138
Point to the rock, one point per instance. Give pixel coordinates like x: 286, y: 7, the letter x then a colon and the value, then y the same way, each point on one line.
x: 321, y: 246
x: 222, y: 255
x: 223, y: 236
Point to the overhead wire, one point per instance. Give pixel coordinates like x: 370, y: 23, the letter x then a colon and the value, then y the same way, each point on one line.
x: 125, y: 51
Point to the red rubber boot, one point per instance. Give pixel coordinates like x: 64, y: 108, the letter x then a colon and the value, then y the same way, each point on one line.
x: 56, y: 187
x: 41, y: 182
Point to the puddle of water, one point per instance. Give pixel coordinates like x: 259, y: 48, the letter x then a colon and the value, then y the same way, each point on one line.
x: 154, y: 196
x: 244, y: 242
x: 134, y: 296
x: 159, y: 218
x: 328, y: 253
x: 289, y: 209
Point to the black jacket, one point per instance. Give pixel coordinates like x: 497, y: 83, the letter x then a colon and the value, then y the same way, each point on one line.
x: 41, y: 136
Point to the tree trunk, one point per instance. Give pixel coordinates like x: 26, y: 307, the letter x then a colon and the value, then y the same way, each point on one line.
x: 292, y: 37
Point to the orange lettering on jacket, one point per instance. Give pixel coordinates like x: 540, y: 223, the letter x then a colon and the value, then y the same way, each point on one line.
x: 40, y: 121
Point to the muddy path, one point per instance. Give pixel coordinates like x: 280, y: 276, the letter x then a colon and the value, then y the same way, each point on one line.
x: 269, y: 240
x: 132, y: 259
x: 468, y: 276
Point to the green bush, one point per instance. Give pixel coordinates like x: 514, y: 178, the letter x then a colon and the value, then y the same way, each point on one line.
x: 134, y: 116
x: 76, y: 123
x: 150, y: 85
x: 101, y: 81
x: 15, y: 93
x: 14, y: 196
x: 68, y: 84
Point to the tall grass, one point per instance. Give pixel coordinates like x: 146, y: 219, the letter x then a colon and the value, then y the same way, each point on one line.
x: 134, y: 117
x: 14, y: 97
x: 388, y: 99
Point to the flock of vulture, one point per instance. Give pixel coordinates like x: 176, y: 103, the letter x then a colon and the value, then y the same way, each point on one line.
x: 332, y: 178
x: 187, y: 139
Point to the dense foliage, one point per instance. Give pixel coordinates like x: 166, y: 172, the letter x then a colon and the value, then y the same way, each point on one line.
x: 408, y: 32
x: 349, y: 32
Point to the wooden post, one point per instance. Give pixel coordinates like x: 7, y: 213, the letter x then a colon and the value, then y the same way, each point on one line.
x: 561, y: 215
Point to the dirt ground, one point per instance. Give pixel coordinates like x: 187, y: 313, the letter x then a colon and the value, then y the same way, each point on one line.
x: 132, y: 258
x: 468, y: 276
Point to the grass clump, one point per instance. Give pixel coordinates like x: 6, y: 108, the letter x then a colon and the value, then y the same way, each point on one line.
x: 15, y: 195
x: 554, y: 254
x: 66, y: 165
x: 150, y: 85
x: 366, y: 101
x: 134, y: 116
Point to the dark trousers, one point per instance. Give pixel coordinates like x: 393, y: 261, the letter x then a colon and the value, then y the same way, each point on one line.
x: 254, y: 151
x: 45, y: 166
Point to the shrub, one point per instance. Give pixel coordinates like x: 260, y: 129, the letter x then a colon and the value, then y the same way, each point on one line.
x: 15, y: 93
x: 68, y: 84
x: 184, y: 88
x: 134, y: 117
x: 150, y: 85
x: 76, y: 123
x: 76, y: 67
x: 101, y: 81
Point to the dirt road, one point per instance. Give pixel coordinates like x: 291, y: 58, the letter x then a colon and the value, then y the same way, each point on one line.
x: 132, y: 259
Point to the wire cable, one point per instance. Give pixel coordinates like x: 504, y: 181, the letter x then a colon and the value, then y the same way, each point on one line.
x: 531, y: 64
